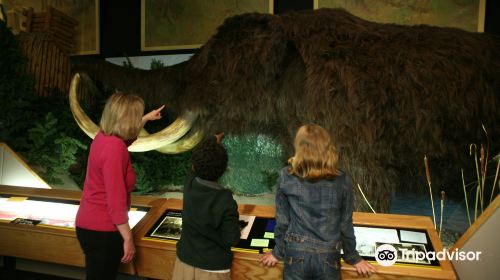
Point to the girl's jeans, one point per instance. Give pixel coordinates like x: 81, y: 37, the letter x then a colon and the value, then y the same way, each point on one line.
x: 310, y: 259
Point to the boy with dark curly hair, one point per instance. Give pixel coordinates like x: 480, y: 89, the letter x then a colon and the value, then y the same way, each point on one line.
x: 210, y: 219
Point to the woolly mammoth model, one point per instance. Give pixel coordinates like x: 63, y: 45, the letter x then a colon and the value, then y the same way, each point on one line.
x: 389, y: 94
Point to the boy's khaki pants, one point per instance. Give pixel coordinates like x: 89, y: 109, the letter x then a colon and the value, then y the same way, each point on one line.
x: 183, y: 271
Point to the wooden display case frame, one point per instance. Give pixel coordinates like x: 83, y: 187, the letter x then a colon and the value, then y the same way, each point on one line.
x: 156, y: 257
x: 56, y: 244
x: 402, y: 271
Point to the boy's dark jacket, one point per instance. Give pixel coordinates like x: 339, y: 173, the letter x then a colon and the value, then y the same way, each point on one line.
x: 210, y: 225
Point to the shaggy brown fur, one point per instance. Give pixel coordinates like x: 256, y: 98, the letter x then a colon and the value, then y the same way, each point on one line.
x: 389, y: 94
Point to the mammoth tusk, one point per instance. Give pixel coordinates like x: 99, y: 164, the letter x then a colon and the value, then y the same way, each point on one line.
x: 186, y: 143
x: 148, y: 142
x: 83, y: 121
x: 166, y: 136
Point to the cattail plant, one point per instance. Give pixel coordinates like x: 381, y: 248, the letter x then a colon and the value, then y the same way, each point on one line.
x: 481, y: 170
x: 478, y: 193
x: 441, y: 218
x: 466, y: 201
x: 429, y: 182
x: 496, y: 178
x: 484, y: 163
x: 366, y: 200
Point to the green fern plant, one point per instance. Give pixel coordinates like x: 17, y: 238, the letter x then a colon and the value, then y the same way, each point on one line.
x: 51, y: 149
x: 142, y: 184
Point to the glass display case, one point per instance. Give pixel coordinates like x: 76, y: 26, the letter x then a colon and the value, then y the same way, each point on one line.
x: 39, y: 224
x: 407, y: 242
x: 257, y: 236
x: 156, y: 251
x: 50, y: 212
x: 405, y: 233
x: 257, y: 233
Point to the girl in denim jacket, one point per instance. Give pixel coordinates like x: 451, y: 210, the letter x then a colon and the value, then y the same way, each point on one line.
x: 314, y: 204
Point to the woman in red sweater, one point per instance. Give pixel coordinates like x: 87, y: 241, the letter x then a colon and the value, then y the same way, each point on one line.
x: 102, y: 220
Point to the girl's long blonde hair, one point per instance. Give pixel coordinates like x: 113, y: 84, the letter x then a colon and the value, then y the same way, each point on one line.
x: 122, y: 116
x: 315, y: 155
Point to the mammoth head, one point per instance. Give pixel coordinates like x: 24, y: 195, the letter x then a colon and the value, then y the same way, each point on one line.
x: 180, y: 136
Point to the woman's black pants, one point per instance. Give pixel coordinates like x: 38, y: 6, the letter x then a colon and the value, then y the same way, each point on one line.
x: 103, y: 251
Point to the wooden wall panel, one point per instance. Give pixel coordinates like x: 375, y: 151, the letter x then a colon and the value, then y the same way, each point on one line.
x: 48, y: 43
x: 47, y: 63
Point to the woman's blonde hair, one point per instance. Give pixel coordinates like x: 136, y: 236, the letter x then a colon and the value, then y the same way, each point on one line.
x: 122, y: 115
x: 315, y: 155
